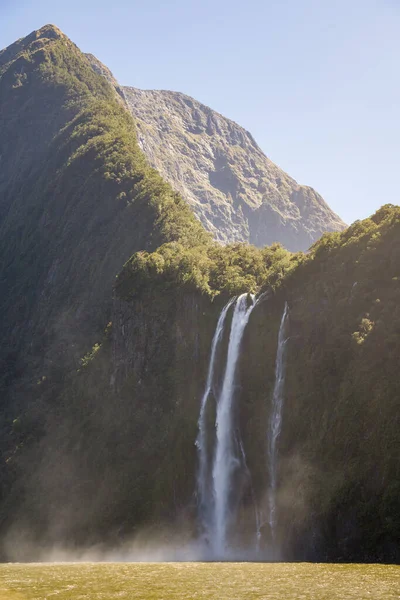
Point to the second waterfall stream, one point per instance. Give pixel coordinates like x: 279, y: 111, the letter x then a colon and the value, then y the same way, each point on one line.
x: 275, y: 421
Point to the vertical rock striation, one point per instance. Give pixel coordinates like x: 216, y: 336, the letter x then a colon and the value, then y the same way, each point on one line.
x: 234, y: 189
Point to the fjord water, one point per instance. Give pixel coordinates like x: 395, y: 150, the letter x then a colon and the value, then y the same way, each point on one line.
x: 203, y: 581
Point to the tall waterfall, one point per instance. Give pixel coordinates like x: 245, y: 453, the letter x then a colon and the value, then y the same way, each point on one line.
x: 201, y: 440
x: 258, y: 523
x: 275, y: 423
x: 225, y: 459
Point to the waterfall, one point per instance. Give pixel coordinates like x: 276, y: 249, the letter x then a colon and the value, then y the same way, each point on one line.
x: 258, y: 523
x: 275, y: 423
x: 225, y: 460
x: 201, y: 440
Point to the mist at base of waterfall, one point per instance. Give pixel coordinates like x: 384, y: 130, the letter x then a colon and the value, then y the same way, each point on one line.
x: 175, y: 543
x: 145, y: 547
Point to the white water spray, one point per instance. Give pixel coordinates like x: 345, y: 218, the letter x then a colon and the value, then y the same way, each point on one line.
x: 225, y: 460
x: 201, y: 440
x: 275, y: 423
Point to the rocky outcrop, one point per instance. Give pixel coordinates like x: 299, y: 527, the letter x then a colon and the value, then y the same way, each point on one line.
x: 105, y: 72
x: 234, y: 189
x: 238, y: 193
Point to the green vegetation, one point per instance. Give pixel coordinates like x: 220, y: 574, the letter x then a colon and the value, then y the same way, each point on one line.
x: 78, y: 199
x: 79, y: 187
x: 340, y: 444
x: 209, y: 268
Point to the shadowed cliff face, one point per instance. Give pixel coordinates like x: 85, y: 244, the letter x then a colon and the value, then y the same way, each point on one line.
x: 338, y: 473
x: 125, y: 427
x: 77, y: 196
x: 234, y: 189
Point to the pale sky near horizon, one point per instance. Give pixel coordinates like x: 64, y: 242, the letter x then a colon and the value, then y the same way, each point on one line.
x: 316, y: 82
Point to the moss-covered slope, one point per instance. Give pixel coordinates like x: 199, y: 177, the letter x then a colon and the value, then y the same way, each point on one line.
x: 340, y: 443
x: 77, y: 199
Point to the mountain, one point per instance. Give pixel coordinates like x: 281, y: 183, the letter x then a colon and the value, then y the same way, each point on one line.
x: 238, y: 194
x: 110, y: 293
x: 77, y: 198
x: 234, y: 189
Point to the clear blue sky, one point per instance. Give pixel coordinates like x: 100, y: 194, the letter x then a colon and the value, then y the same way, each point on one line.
x: 317, y: 82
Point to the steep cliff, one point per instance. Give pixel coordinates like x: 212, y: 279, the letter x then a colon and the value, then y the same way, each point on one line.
x: 339, y: 477
x: 234, y: 189
x: 92, y: 450
x: 77, y: 197
x: 125, y: 426
x: 238, y: 193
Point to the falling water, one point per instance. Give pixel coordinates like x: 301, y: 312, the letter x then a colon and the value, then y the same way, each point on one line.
x: 258, y: 523
x: 275, y: 423
x: 225, y: 459
x: 201, y: 440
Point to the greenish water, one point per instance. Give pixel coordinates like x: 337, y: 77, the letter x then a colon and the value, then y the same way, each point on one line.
x: 197, y: 581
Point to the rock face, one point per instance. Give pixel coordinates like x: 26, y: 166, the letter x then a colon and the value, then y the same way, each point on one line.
x: 238, y: 193
x: 338, y: 474
x: 128, y: 424
x: 234, y: 189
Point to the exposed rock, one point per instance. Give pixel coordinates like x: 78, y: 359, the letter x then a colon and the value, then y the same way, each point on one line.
x: 238, y: 194
x: 234, y: 189
x: 101, y: 69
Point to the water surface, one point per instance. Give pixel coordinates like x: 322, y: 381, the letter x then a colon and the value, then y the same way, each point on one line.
x: 198, y: 581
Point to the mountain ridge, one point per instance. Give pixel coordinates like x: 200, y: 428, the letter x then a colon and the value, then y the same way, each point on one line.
x: 234, y: 189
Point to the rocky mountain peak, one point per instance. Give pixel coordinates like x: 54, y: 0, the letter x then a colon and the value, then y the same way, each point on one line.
x: 238, y: 193
x: 234, y: 189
